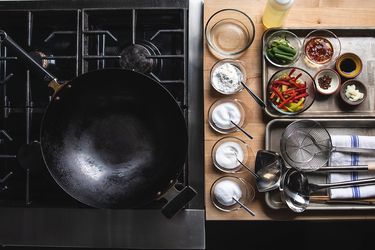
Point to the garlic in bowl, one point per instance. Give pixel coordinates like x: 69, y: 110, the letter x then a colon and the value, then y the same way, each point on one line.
x: 353, y: 92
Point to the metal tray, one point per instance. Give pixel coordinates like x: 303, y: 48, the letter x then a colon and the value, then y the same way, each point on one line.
x: 360, y: 41
x: 346, y: 126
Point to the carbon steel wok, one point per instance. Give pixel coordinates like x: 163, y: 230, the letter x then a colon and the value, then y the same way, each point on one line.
x: 111, y: 138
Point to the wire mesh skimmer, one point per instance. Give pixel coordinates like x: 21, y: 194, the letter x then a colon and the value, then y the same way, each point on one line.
x: 307, y: 146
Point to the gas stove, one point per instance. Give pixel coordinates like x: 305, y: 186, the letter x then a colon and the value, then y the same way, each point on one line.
x: 161, y: 39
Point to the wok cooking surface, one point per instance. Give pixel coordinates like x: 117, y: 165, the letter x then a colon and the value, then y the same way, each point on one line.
x: 57, y: 40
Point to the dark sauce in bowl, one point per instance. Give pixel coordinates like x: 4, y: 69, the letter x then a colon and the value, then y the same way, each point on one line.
x: 319, y: 50
x: 348, y: 65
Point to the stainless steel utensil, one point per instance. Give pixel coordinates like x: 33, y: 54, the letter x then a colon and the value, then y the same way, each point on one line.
x: 307, y: 146
x: 243, y: 206
x: 254, y: 96
x: 295, y: 189
x: 242, y: 130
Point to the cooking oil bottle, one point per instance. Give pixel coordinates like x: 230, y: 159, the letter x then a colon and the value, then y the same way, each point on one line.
x: 275, y: 12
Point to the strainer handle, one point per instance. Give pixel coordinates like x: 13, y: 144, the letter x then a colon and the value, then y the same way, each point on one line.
x: 354, y: 150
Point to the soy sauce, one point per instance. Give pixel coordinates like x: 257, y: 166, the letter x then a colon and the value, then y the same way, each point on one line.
x: 347, y: 65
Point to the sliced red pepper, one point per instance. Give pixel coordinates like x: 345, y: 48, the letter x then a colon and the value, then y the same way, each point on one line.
x: 281, y: 82
x: 272, y: 95
x: 298, y: 76
x: 286, y: 101
x: 292, y: 90
x: 300, y: 96
x: 291, y: 72
x: 278, y: 93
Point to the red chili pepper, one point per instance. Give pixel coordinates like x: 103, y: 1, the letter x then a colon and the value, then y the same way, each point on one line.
x: 291, y: 72
x: 281, y: 82
x: 298, y: 76
x: 278, y: 93
x: 300, y: 96
x: 293, y: 90
x: 282, y: 104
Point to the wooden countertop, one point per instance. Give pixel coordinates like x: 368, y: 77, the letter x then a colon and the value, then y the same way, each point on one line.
x: 304, y: 13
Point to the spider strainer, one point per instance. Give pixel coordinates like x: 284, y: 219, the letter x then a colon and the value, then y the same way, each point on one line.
x: 306, y: 145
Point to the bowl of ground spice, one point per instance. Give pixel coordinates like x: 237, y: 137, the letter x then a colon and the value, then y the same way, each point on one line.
x: 327, y: 81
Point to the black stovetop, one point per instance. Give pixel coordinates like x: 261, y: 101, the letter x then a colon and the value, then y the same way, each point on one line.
x: 68, y: 43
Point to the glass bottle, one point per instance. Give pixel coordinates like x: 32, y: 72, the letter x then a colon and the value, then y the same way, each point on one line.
x: 275, y: 12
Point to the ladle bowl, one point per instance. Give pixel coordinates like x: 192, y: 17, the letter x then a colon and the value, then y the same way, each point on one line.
x: 295, y: 188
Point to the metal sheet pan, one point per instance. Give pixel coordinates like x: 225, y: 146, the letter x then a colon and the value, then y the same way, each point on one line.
x: 360, y: 41
x: 347, y: 126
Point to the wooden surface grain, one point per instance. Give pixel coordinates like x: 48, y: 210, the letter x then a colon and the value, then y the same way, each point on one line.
x: 304, y: 13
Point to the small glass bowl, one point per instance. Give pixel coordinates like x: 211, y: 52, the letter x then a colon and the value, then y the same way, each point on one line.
x: 294, y: 42
x: 247, y: 190
x: 305, y: 77
x: 230, y: 128
x: 236, y: 63
x: 332, y: 39
x: 229, y: 33
x: 248, y: 154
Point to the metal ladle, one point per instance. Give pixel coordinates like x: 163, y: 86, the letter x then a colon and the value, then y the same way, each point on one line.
x: 295, y: 189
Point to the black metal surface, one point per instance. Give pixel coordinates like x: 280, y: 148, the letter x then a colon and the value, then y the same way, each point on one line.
x: 114, y: 138
x: 77, y: 37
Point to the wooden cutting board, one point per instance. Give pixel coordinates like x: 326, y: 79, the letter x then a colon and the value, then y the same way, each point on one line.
x: 304, y: 13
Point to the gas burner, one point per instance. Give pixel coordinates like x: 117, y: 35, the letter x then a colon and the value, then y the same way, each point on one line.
x: 40, y: 57
x: 138, y: 57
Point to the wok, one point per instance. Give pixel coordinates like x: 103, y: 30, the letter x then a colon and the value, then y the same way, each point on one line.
x: 112, y: 138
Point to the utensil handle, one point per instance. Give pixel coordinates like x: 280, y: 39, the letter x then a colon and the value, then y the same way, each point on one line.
x: 362, y: 182
x: 244, y: 207
x: 343, y: 169
x: 26, y: 58
x: 242, y: 130
x: 248, y: 169
x: 253, y: 95
x: 354, y: 150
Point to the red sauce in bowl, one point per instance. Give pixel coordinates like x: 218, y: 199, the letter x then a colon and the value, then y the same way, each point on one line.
x: 319, y: 50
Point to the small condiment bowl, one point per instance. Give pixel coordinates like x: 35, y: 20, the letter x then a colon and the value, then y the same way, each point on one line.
x: 229, y: 33
x: 351, y: 58
x: 291, y: 38
x: 335, y: 81
x: 247, y: 190
x: 230, y: 128
x: 247, y: 155
x: 215, y: 84
x: 327, y: 35
x: 359, y: 85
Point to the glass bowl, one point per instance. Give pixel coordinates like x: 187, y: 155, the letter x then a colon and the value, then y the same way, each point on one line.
x: 233, y: 67
x: 325, y: 45
x: 246, y: 189
x: 275, y: 42
x: 227, y: 150
x: 229, y: 33
x: 284, y: 74
x: 223, y: 111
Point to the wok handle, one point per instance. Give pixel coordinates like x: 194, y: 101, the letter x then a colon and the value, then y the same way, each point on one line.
x: 178, y: 201
x: 25, y: 57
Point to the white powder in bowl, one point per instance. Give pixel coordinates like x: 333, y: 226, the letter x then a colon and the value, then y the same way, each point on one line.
x: 227, y: 78
x: 227, y: 153
x: 224, y: 113
x: 225, y: 190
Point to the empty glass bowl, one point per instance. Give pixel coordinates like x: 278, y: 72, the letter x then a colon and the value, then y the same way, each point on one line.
x: 228, y: 151
x: 227, y: 186
x: 287, y: 44
x: 321, y: 47
x: 282, y: 83
x: 229, y: 33
x: 225, y: 111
